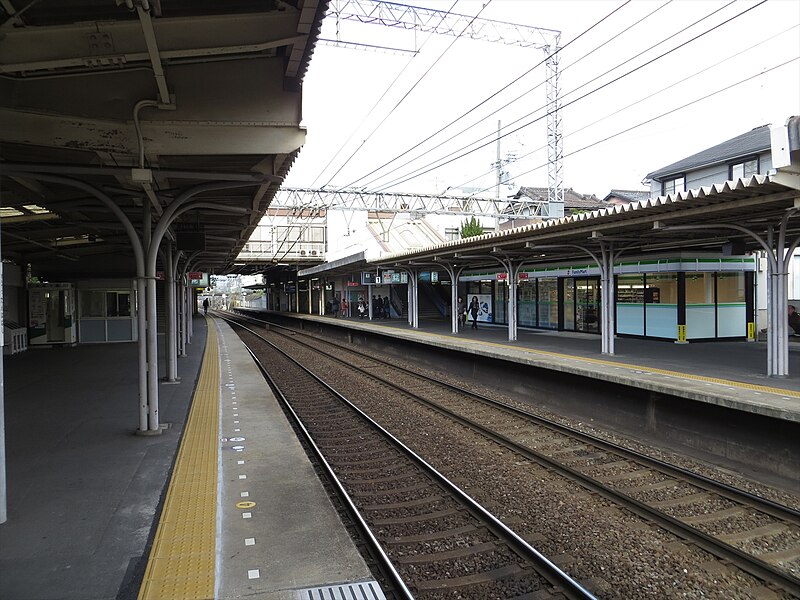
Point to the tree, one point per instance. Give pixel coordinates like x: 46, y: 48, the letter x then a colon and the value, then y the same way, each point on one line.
x: 471, y: 227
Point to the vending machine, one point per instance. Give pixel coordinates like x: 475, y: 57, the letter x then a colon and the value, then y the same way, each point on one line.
x: 51, y: 314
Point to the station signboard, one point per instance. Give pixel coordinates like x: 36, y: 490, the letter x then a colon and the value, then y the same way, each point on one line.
x: 502, y: 276
x: 390, y: 277
x: 368, y: 278
x: 198, y: 279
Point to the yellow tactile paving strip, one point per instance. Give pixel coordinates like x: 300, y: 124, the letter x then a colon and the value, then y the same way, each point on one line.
x: 182, y: 560
x: 677, y: 374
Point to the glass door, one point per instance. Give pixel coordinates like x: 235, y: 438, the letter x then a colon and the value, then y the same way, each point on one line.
x: 569, y: 303
x: 587, y: 305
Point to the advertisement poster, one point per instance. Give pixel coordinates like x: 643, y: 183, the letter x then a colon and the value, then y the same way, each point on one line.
x: 37, y: 309
x: 485, y: 304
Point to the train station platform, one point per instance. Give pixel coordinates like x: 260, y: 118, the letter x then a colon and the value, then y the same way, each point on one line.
x: 89, y: 502
x: 730, y: 374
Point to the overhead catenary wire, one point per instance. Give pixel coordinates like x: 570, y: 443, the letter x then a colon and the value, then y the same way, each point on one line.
x: 408, y: 93
x: 652, y: 119
x: 464, y: 152
x: 643, y: 99
x: 507, y: 104
x: 664, y: 114
x: 401, y: 100
x: 371, y: 110
x: 491, y: 137
x: 488, y: 98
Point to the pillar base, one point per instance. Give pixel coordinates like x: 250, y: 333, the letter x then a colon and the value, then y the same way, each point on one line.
x: 166, y: 381
x: 148, y: 432
x: 681, y: 343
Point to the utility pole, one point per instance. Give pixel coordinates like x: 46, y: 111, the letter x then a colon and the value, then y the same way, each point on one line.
x: 499, y: 165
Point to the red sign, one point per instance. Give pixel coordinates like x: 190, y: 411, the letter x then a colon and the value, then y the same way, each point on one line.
x: 523, y: 275
x: 353, y: 284
x: 502, y: 276
x: 195, y: 275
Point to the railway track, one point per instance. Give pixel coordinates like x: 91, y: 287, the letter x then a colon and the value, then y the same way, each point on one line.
x: 758, y: 536
x: 438, y: 542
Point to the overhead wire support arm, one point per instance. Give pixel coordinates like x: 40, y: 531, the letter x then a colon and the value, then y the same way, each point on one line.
x: 310, y: 202
x: 417, y: 18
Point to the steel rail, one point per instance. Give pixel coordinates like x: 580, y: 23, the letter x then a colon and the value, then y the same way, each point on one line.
x: 547, y: 569
x: 385, y: 564
x: 765, y: 505
x: 722, y: 550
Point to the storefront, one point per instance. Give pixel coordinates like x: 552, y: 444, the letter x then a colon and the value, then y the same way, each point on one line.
x: 677, y: 298
x: 686, y: 299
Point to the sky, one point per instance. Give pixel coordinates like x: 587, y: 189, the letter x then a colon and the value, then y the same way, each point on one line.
x: 625, y: 109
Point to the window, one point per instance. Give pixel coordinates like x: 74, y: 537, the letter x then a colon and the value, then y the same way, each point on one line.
x: 452, y: 233
x: 745, y: 168
x: 102, y: 304
x: 674, y: 185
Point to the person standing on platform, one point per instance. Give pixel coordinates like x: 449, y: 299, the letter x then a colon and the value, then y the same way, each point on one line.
x: 474, y: 308
x: 344, y: 306
x: 335, y: 306
x: 205, y: 306
x: 362, y: 308
x: 377, y: 307
x: 794, y: 320
x: 387, y: 311
x: 461, y: 312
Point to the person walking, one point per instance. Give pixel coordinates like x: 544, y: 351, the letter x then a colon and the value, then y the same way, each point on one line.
x: 474, y: 308
x: 205, y: 306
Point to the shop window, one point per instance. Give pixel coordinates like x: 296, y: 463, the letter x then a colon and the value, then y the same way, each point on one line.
x: 500, y: 303
x: 547, y: 307
x: 526, y: 303
x: 630, y: 304
x: 700, y: 306
x: 661, y: 305
x: 92, y: 304
x: 731, y: 305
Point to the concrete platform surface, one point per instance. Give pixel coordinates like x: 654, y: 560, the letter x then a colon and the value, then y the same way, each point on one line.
x: 278, y: 532
x: 82, y: 488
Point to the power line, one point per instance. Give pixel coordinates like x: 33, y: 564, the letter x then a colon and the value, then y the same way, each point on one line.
x: 488, y: 98
x: 408, y: 177
x: 408, y: 93
x: 664, y: 114
x: 404, y: 178
x: 413, y: 87
x: 371, y: 110
x: 644, y: 98
x: 439, y: 145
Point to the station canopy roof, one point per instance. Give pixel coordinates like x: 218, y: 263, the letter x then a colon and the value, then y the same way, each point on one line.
x: 142, y: 101
x: 701, y: 220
